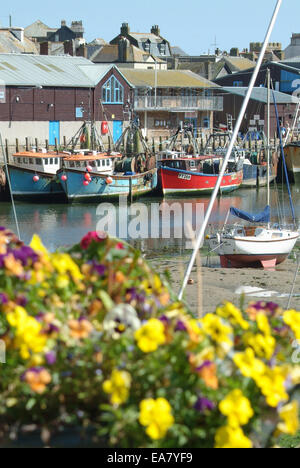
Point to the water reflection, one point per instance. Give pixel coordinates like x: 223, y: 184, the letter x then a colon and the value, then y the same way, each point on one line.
x: 63, y: 225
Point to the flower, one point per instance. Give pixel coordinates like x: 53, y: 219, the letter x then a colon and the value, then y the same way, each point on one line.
x: 263, y: 324
x: 3, y: 298
x: 64, y: 264
x: 13, y: 266
x: 37, y: 379
x: 208, y: 372
x: 228, y: 437
x: 151, y: 335
x: 214, y: 327
x: 263, y: 345
x: 51, y: 358
x: 290, y: 417
x: 120, y: 318
x: 81, y: 328
x: 292, y: 319
x: 267, y: 308
x: 92, y: 237
x: 203, y: 405
x: 118, y: 387
x: 233, y: 314
x: 156, y: 416
x: 237, y: 408
x: 28, y: 332
x: 272, y: 386
x: 248, y: 365
x: 194, y: 330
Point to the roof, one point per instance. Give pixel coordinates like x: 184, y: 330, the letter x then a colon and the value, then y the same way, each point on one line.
x: 178, y: 51
x: 45, y: 70
x: 38, y: 29
x: 109, y: 53
x: 261, y: 95
x: 166, y: 79
x: 238, y: 63
x: 10, y: 44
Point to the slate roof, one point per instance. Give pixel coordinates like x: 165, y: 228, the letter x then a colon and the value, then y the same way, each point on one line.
x: 261, y: 95
x: 166, y: 79
x: 10, y: 44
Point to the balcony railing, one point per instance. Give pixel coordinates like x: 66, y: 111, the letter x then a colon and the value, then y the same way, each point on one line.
x: 178, y: 103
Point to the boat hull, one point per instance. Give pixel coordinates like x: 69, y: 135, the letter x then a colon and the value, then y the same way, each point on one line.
x: 185, y: 183
x: 98, y: 189
x: 256, y: 176
x: 252, y: 252
x: 292, y: 156
x: 23, y: 187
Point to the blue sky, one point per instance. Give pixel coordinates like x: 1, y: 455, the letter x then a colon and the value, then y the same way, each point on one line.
x: 192, y: 25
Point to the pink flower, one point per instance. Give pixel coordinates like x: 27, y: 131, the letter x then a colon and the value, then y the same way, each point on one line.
x: 92, y: 237
x: 120, y: 246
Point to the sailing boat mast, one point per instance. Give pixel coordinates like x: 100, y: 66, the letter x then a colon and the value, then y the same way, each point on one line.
x: 268, y: 135
x: 200, y: 238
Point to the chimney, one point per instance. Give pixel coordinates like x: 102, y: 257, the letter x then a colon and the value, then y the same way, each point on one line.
x: 155, y: 30
x: 77, y: 28
x: 82, y: 51
x: 18, y: 33
x: 69, y: 48
x: 44, y: 48
x: 63, y: 23
x: 125, y: 29
x: 234, y: 52
x: 123, y: 50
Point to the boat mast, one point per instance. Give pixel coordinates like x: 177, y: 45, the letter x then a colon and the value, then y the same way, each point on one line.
x: 268, y: 135
x: 200, y: 238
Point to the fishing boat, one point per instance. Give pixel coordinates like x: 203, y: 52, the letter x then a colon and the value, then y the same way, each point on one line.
x: 33, y: 175
x: 87, y: 178
x: 258, y: 244
x: 292, y: 156
x: 256, y: 175
x: 188, y: 175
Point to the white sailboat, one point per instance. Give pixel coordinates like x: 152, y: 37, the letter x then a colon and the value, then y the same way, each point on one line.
x: 257, y: 244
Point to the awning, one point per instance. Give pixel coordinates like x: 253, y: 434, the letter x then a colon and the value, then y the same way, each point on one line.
x: 264, y: 217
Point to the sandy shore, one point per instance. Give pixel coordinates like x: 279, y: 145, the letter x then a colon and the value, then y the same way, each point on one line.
x: 211, y: 286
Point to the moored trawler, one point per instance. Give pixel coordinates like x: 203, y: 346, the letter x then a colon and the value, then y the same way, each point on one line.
x: 188, y: 175
x: 33, y: 175
x: 292, y: 157
x: 87, y: 178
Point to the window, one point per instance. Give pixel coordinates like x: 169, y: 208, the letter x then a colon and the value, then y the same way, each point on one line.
x: 113, y: 92
x: 78, y: 164
x: 46, y: 162
x: 108, y: 162
x: 79, y: 112
x: 39, y: 161
x: 147, y: 46
x: 72, y: 164
x: 51, y: 161
x: 238, y: 84
x: 25, y: 160
x: 162, y: 48
x: 19, y: 160
x: 56, y: 160
x: 30, y: 161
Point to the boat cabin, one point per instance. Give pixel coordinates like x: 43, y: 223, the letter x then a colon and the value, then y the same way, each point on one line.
x: 100, y: 163
x: 200, y: 165
x: 48, y: 163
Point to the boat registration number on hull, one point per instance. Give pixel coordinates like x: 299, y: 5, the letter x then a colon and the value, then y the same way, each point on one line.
x: 184, y: 177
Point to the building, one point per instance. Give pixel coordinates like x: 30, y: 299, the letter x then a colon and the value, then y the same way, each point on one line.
x: 152, y: 43
x: 13, y: 40
x: 257, y: 110
x: 48, y: 97
x: 285, y: 78
x: 293, y: 49
x: 126, y: 55
x: 38, y: 31
x: 165, y: 99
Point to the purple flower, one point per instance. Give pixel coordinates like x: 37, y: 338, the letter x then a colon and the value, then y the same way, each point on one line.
x: 267, y: 306
x: 164, y: 319
x: 24, y: 254
x: 203, y: 404
x: 51, y: 358
x: 180, y: 326
x: 205, y: 364
x: 3, y: 298
x: 133, y: 295
x: 100, y: 269
x: 22, y: 301
x: 2, y: 228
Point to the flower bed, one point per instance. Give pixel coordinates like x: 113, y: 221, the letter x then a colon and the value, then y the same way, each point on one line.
x: 95, y: 340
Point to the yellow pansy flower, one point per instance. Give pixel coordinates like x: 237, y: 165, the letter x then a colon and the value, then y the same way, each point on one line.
x: 150, y: 336
x: 233, y: 314
x: 263, y: 323
x: 156, y: 416
x: 248, y: 365
x: 237, y: 408
x: 263, y: 345
x: 215, y: 328
x: 118, y: 387
x: 229, y: 438
x: 290, y: 419
x: 292, y: 319
x: 272, y: 386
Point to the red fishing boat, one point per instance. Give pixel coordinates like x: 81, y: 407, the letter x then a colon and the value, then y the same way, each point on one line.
x: 195, y: 175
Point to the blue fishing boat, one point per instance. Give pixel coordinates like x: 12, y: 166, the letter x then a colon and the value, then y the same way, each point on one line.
x: 33, y: 176
x: 87, y: 178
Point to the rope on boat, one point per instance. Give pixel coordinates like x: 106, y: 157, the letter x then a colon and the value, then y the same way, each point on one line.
x: 10, y: 189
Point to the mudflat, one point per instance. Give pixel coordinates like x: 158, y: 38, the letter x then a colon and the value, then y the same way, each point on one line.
x: 213, y: 285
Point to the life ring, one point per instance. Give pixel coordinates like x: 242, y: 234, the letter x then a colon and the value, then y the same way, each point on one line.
x: 109, y: 180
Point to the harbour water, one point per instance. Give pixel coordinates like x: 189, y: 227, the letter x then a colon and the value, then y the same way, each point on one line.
x: 62, y: 225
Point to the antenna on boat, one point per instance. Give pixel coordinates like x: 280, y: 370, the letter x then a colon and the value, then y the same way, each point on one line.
x: 10, y: 189
x: 229, y: 150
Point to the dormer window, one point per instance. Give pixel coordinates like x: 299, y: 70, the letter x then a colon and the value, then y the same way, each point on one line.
x: 147, y: 46
x: 162, y: 48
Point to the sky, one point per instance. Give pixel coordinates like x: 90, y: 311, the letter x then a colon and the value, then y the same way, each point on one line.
x: 194, y: 25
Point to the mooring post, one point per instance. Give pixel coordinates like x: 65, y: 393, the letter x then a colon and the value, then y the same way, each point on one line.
x: 36, y: 145
x: 17, y: 145
x: 27, y: 144
x: 47, y: 145
x: 65, y: 141
x: 56, y: 145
